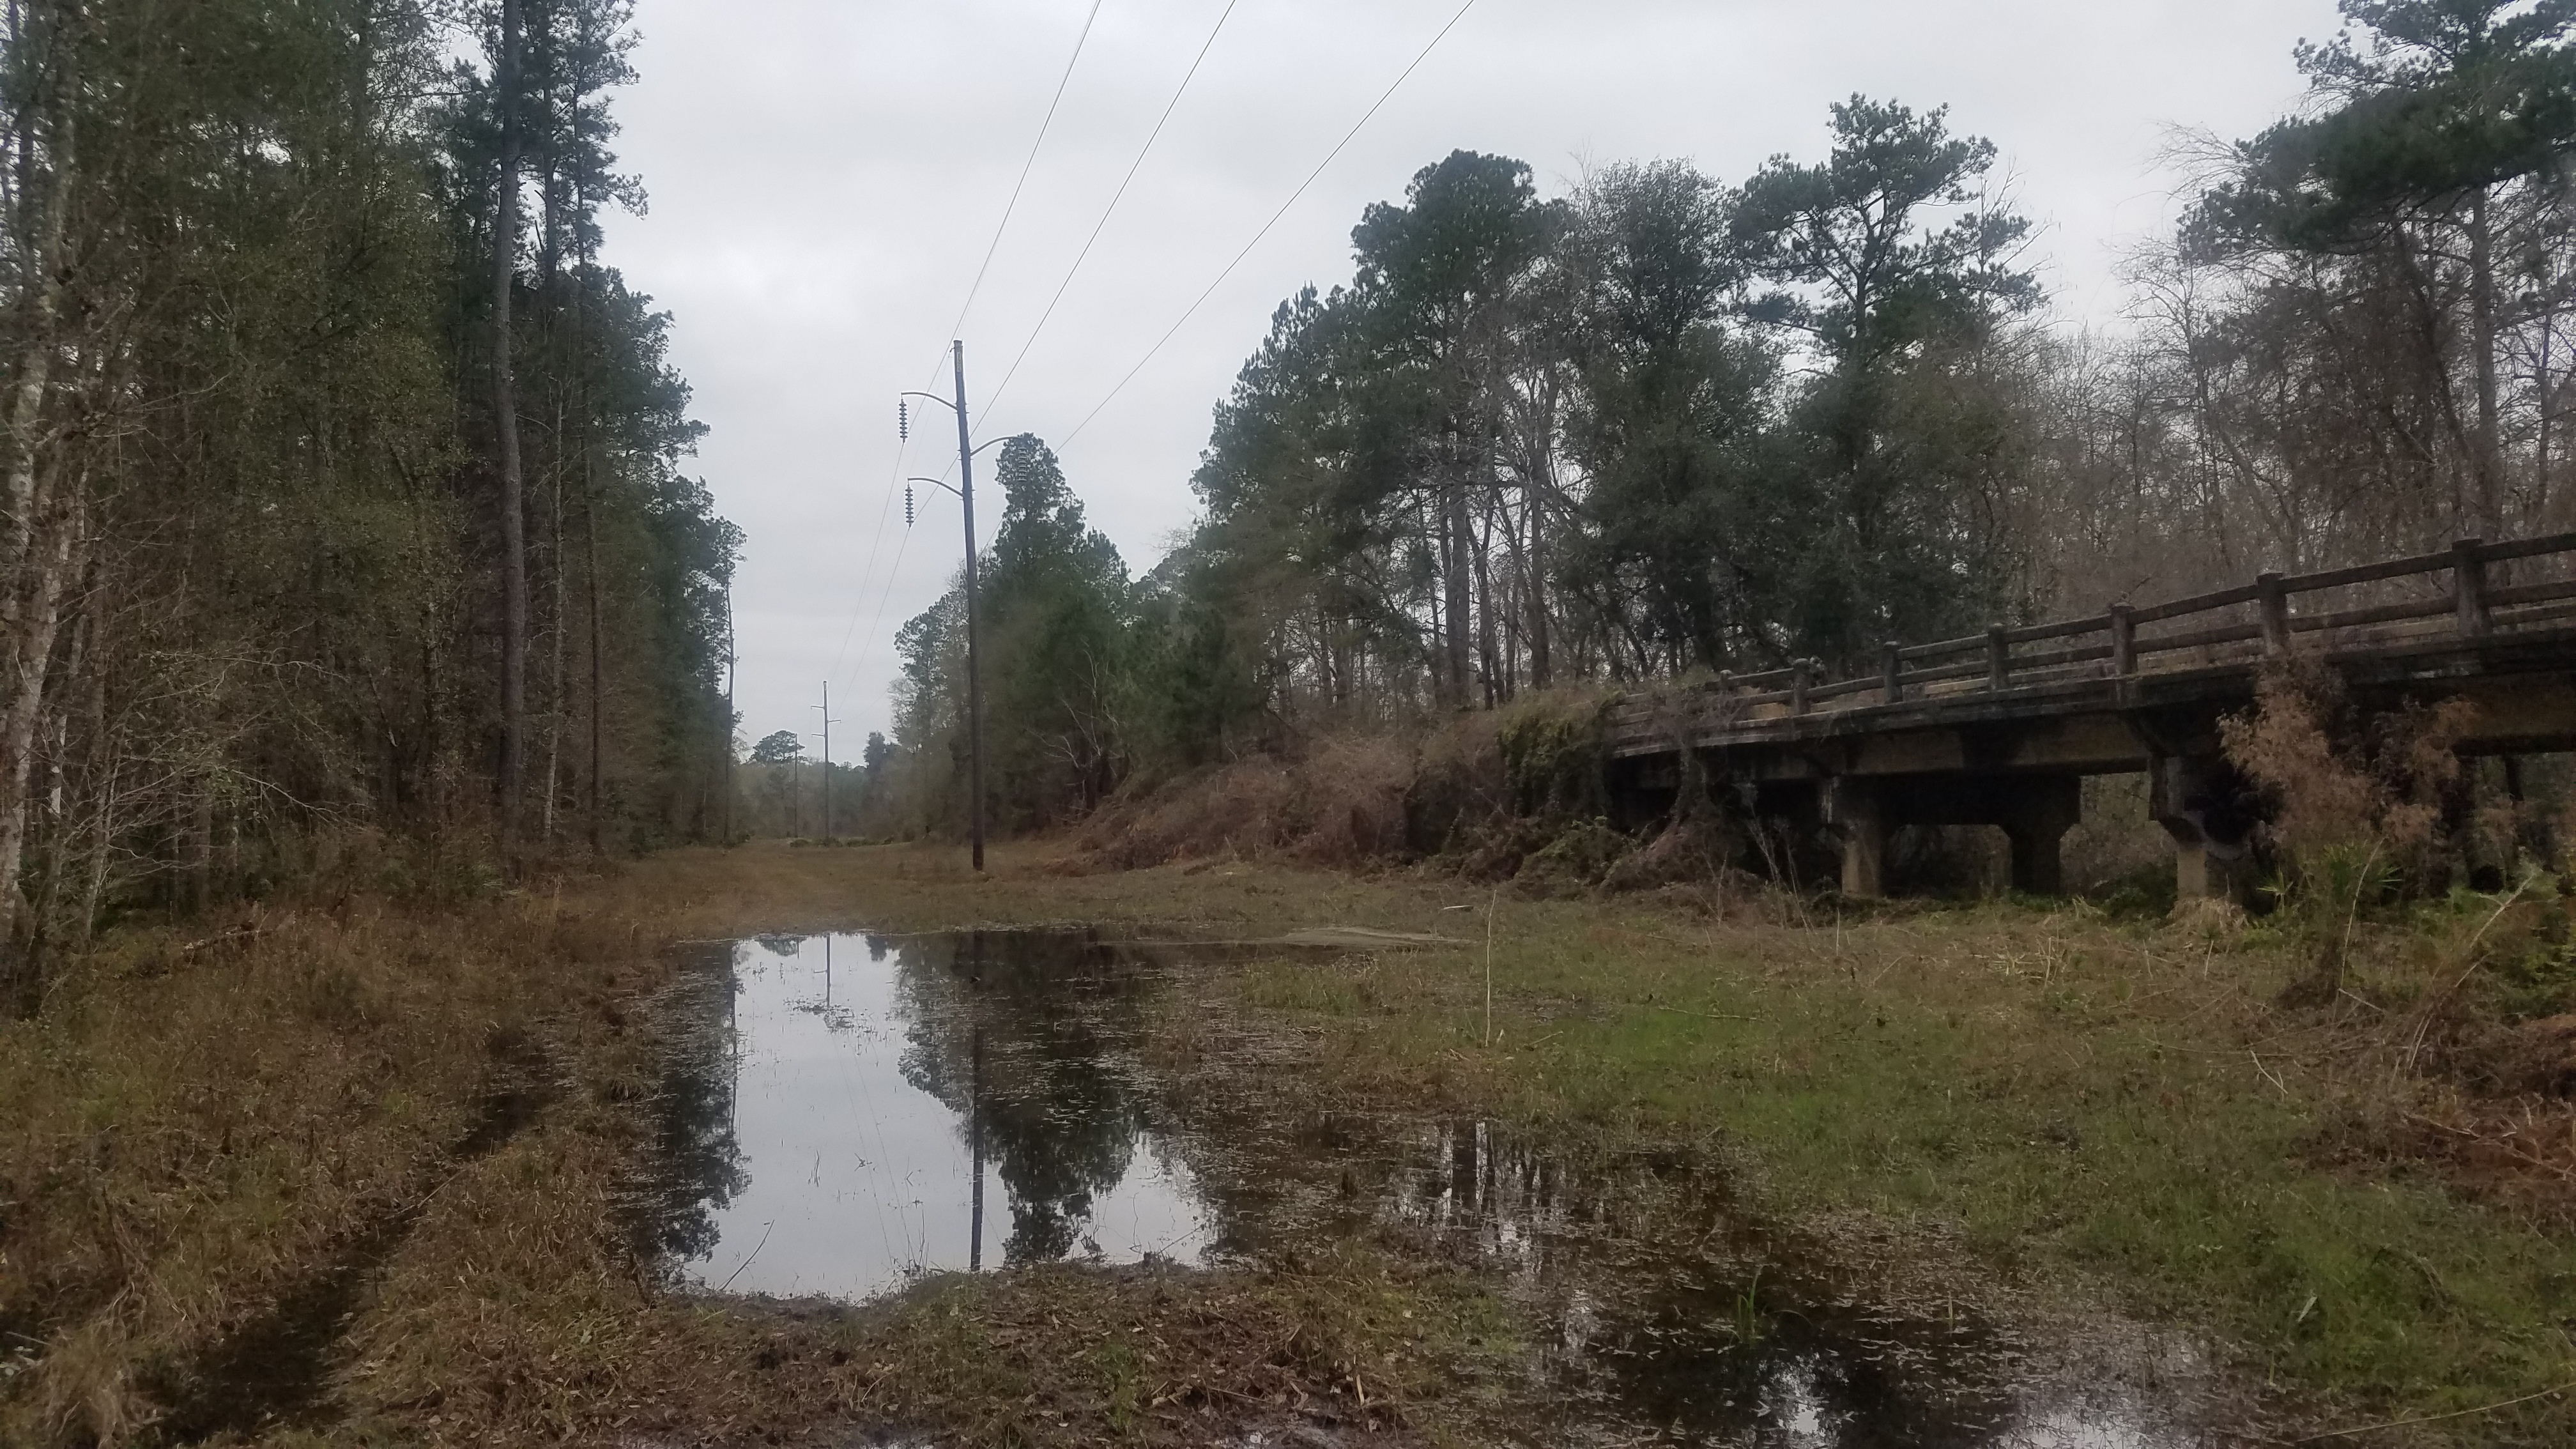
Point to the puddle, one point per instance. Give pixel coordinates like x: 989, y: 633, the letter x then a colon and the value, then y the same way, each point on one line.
x: 856, y: 1110
x: 1704, y: 1329
x: 862, y: 1109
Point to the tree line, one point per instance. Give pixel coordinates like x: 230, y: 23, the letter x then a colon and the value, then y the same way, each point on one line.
x: 1665, y: 424
x: 346, y: 515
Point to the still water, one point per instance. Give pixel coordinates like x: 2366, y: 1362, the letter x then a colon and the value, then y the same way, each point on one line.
x: 851, y: 1111
x: 862, y: 1109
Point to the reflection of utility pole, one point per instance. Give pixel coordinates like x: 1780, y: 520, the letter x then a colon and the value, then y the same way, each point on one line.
x: 827, y: 973
x: 975, y: 1150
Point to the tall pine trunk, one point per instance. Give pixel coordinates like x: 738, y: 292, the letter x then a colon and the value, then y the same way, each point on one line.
x: 1454, y: 536
x: 2482, y: 319
x: 505, y: 422
x: 44, y: 539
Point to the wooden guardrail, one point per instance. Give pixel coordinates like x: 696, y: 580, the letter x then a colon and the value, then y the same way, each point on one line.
x: 2247, y: 621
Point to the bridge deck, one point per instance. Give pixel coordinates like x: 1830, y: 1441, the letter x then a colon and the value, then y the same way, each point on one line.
x: 1996, y: 729
x: 2137, y: 661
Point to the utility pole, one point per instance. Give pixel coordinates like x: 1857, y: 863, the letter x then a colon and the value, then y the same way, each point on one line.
x: 826, y: 707
x: 974, y: 671
x: 965, y: 491
x: 732, y: 660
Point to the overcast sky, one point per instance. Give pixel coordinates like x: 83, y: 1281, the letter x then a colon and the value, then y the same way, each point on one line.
x: 827, y: 174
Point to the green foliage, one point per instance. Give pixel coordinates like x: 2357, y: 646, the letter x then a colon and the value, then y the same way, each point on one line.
x: 1556, y: 751
x: 1056, y: 645
x: 281, y: 549
x: 1531, y: 441
x: 1898, y: 263
x: 2448, y: 97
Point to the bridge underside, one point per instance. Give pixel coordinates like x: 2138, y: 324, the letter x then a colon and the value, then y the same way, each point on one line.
x: 2017, y: 758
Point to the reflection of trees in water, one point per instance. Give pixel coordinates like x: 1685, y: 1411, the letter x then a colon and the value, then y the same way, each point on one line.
x: 1735, y: 1358
x: 1057, y: 1096
x: 701, y: 1161
x: 1730, y: 1354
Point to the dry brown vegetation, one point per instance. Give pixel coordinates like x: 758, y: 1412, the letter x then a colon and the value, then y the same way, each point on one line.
x: 1340, y: 803
x: 1514, y: 794
x: 424, y: 1118
x: 2339, y: 782
x: 2467, y: 1002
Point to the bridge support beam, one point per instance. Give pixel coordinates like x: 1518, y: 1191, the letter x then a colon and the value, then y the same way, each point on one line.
x: 2035, y: 812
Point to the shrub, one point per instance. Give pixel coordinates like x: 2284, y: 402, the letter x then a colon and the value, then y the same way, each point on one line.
x: 2351, y: 797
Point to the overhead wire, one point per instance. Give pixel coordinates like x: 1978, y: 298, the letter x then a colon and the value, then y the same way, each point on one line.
x: 995, y: 396
x: 973, y: 290
x: 1311, y: 176
x: 1026, y: 166
x: 866, y: 575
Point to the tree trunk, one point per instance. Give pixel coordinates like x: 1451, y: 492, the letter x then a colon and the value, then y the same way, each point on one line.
x: 590, y: 584
x: 558, y: 626
x: 1461, y: 607
x: 505, y: 422
x: 56, y: 548
x: 1542, y: 672
x: 2482, y: 312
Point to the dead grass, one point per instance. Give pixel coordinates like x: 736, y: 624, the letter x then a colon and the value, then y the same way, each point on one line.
x: 206, y: 1116
x: 2095, y: 1108
x: 1341, y: 804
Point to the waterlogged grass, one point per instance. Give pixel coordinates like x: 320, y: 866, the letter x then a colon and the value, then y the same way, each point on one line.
x: 2118, y: 1111
x: 2045, y: 1099
x: 2115, y: 1110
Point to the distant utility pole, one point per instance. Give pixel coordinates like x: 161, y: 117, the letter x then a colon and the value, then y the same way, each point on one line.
x: 826, y: 708
x: 732, y: 660
x: 965, y: 491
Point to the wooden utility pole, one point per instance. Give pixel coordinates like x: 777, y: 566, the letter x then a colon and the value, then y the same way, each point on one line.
x: 826, y: 707
x: 974, y: 672
x: 965, y: 491
x: 733, y: 659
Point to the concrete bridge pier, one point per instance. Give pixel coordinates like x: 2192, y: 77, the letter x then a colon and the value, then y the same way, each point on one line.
x: 1855, y: 811
x: 2034, y: 810
x: 2210, y: 813
x: 2036, y: 817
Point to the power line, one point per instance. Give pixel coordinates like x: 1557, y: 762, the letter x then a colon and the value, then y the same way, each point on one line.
x: 995, y: 396
x: 1025, y: 167
x: 867, y: 575
x: 1046, y: 124
x: 1302, y: 186
x: 894, y: 571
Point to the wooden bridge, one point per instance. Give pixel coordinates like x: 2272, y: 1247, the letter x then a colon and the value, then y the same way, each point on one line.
x: 2000, y: 728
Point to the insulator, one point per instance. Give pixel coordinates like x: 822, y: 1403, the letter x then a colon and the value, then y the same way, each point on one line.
x: 907, y: 505
x: 903, y: 419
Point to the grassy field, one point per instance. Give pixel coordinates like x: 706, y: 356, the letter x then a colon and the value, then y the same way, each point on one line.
x: 381, y: 1149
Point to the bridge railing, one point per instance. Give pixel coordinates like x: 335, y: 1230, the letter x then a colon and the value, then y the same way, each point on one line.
x: 2470, y: 589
